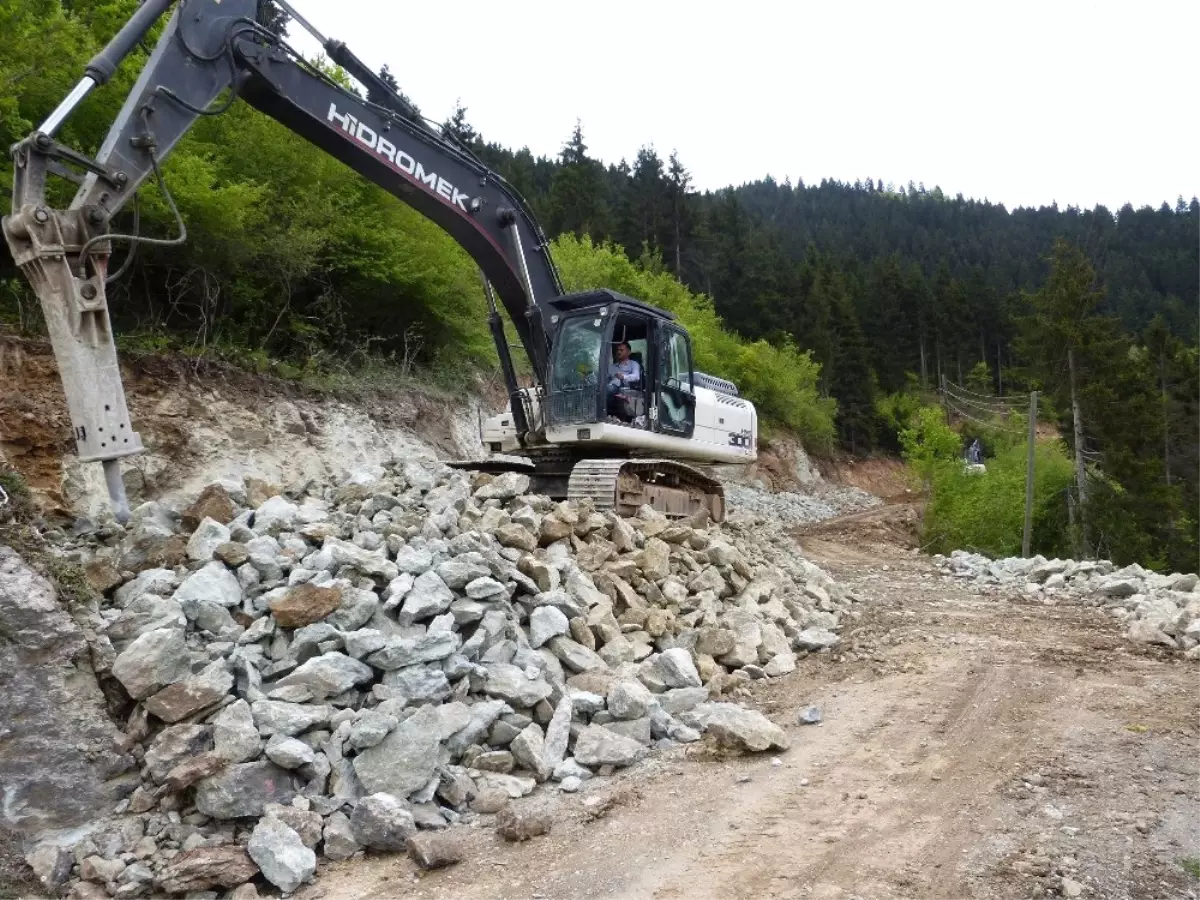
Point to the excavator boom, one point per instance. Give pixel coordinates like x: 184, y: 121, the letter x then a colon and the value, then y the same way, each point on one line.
x: 212, y: 53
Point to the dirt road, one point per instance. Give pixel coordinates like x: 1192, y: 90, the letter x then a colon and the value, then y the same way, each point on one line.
x: 970, y: 748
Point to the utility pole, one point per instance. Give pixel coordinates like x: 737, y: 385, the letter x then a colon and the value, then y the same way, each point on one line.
x: 1027, y: 538
x: 1080, y: 470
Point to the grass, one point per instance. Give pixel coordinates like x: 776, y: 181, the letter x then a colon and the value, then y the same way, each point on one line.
x: 1191, y: 865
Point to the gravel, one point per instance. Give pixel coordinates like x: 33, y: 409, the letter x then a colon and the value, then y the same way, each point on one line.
x: 791, y: 508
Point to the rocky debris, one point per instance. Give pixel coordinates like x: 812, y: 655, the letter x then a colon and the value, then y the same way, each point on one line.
x: 810, y: 715
x: 206, y: 867
x: 790, y: 508
x: 51, y: 863
x: 1153, y: 608
x: 521, y: 825
x: 435, y: 850
x: 281, y: 855
x: 346, y: 668
x: 213, y: 503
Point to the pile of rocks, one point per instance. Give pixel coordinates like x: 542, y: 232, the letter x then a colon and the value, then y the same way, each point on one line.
x: 1156, y: 609
x: 791, y: 508
x: 333, y: 669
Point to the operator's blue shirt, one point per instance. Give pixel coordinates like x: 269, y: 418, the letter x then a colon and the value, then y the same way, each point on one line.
x: 630, y: 369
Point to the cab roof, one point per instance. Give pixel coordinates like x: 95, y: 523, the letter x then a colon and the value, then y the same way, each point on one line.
x: 603, y: 297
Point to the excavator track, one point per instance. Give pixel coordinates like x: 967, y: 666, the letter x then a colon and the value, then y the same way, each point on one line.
x: 625, y: 485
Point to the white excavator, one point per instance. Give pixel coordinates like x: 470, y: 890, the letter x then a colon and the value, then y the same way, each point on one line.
x: 583, y: 427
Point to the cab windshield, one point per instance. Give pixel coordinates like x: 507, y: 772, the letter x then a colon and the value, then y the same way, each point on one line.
x: 577, y: 356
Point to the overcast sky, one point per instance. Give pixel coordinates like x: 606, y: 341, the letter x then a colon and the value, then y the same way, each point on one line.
x: 1024, y: 103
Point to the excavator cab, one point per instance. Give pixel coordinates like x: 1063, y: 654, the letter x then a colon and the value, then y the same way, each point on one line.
x: 582, y: 390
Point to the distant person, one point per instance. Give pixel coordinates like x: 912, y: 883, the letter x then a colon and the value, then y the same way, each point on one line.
x: 975, y: 453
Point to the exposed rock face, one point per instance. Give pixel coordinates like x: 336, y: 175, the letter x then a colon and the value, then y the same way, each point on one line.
x: 52, y: 712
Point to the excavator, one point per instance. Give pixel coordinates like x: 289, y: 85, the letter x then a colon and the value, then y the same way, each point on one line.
x: 579, y: 428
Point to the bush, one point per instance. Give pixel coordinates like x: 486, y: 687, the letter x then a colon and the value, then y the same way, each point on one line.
x: 780, y: 379
x: 927, y: 442
x: 895, y: 411
x: 986, y: 512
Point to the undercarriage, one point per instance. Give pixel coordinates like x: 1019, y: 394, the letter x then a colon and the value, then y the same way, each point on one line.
x: 617, y: 483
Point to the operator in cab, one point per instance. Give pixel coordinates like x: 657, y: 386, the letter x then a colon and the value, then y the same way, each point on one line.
x: 624, y: 372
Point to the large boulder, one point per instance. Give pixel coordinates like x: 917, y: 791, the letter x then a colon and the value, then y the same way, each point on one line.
x: 206, y: 867
x: 305, y: 604
x: 598, y: 746
x: 281, y: 855
x: 406, y: 759
x: 738, y: 728
x: 156, y: 659
x: 382, y: 822
x: 243, y: 790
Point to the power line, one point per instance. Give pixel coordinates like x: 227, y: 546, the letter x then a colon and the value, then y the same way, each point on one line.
x: 969, y: 397
x: 982, y: 407
x: 978, y: 421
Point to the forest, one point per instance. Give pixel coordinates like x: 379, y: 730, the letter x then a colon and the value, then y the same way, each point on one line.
x: 828, y: 302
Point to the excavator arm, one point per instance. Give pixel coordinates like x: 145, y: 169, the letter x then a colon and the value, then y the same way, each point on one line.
x: 211, y: 48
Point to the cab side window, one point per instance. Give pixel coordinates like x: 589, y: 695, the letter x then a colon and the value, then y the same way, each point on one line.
x: 676, y: 400
x: 675, y: 366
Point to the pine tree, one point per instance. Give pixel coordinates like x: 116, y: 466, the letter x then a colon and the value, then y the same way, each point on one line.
x: 649, y: 200
x: 577, y: 202
x: 272, y: 18
x: 459, y: 129
x: 850, y: 380
x: 386, y: 76
x: 678, y: 194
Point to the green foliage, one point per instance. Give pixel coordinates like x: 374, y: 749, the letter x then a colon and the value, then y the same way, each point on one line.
x: 927, y: 442
x: 985, y: 512
x: 780, y: 379
x: 1135, y: 402
x: 979, y: 379
x: 894, y: 412
x: 1191, y: 865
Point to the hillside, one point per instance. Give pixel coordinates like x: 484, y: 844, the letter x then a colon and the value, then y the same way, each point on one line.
x: 828, y: 303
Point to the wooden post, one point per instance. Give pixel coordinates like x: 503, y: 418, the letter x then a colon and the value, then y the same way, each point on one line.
x: 1081, y: 486
x: 1027, y: 538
